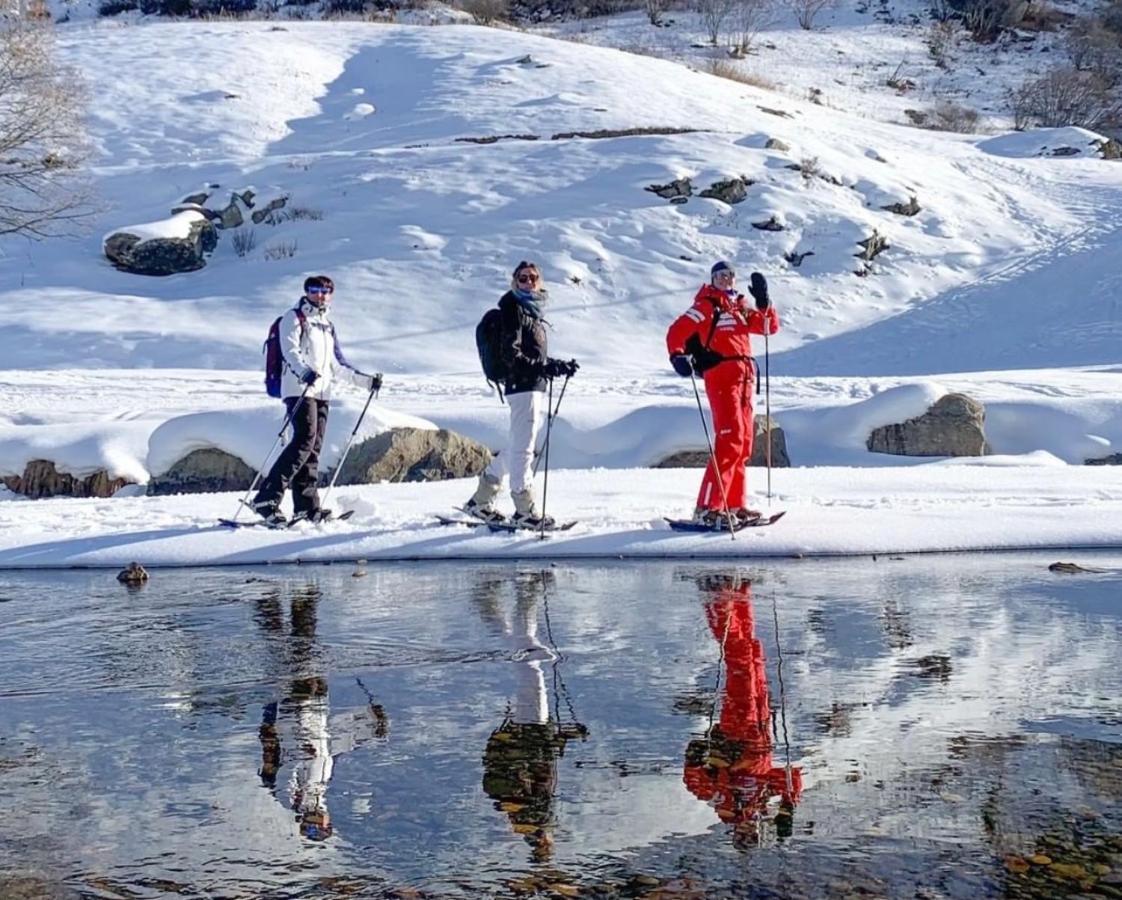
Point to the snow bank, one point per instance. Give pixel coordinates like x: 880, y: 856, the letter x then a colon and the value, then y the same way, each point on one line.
x: 250, y: 433
x: 79, y: 449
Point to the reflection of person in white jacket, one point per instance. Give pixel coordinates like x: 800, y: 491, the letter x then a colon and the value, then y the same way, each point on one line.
x: 313, y: 360
x: 298, y: 731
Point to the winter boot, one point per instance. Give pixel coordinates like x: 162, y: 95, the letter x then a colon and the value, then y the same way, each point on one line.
x: 710, y: 518
x: 481, y: 504
x: 526, y: 511
x: 743, y: 515
x: 269, y: 510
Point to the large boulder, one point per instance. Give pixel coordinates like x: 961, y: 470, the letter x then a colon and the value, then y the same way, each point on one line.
x: 697, y: 459
x: 202, y: 472
x: 40, y: 478
x: 953, y: 426
x: 176, y: 244
x: 414, y: 454
x: 1115, y: 459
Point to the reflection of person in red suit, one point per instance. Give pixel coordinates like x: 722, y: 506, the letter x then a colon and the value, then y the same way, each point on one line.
x: 731, y: 767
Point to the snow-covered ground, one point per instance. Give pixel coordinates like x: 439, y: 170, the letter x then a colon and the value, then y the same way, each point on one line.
x: 1004, y: 286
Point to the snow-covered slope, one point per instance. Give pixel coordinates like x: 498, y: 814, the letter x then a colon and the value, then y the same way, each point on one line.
x: 363, y: 124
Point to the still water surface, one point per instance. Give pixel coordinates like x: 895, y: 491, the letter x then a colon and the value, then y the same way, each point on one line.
x: 919, y: 727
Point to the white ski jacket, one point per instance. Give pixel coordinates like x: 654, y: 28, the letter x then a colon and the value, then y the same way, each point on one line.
x: 312, y: 345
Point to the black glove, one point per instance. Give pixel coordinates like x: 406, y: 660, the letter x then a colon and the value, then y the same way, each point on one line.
x: 758, y: 290
x: 569, y: 369
x: 373, y: 382
x: 682, y: 364
x: 309, y: 377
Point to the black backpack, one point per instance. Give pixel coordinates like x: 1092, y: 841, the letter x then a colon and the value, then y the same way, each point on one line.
x: 489, y: 343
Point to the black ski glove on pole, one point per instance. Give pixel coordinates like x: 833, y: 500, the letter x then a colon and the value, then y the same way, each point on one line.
x: 758, y: 290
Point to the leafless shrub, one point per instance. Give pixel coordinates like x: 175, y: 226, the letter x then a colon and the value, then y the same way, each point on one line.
x: 280, y: 250
x: 292, y: 214
x: 947, y: 115
x: 1042, y: 17
x: 655, y: 9
x: 985, y: 19
x: 748, y: 19
x: 42, y: 142
x: 1066, y: 96
x: 940, y: 40
x: 724, y: 69
x: 487, y: 11
x: 243, y: 241
x: 808, y: 167
x: 806, y: 11
x: 714, y: 14
x: 1092, y: 46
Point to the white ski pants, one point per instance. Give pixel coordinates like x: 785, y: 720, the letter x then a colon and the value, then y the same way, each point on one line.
x: 527, y: 412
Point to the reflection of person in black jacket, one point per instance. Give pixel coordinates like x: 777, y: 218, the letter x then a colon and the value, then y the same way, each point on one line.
x: 520, y: 760
x: 731, y: 767
x: 529, y: 369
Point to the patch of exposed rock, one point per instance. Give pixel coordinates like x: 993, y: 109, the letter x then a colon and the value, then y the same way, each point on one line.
x: 953, y: 426
x: 179, y: 243
x: 414, y: 454
x: 699, y: 458
x: 41, y: 479
x: 202, y: 472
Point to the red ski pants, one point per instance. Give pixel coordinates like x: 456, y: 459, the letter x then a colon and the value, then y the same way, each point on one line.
x: 728, y: 386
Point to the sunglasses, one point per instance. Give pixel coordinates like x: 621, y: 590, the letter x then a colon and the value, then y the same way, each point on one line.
x: 726, y: 275
x: 319, y: 290
x: 528, y: 278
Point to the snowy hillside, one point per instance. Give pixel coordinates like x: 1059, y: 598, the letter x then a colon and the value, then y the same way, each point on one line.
x: 426, y: 161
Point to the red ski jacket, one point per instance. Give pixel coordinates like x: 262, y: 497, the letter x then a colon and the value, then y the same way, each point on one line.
x: 735, y: 320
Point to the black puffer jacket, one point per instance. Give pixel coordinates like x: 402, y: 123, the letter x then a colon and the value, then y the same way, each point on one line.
x: 524, y: 346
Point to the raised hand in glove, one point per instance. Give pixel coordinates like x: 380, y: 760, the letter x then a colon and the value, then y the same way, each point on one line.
x: 373, y: 382
x: 569, y: 368
x: 682, y: 364
x: 758, y: 290
x: 309, y: 377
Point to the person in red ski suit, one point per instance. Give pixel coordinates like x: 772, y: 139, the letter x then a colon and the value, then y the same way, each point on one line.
x: 731, y: 767
x: 711, y: 339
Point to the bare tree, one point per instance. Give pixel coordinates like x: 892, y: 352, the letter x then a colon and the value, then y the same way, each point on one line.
x: 749, y: 18
x: 713, y: 15
x: 42, y: 141
x: 806, y: 11
x: 1066, y: 96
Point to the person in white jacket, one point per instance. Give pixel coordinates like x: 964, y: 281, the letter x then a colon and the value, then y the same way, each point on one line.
x: 313, y: 362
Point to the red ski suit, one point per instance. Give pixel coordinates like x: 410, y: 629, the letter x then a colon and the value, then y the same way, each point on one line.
x: 728, y: 384
x: 733, y: 767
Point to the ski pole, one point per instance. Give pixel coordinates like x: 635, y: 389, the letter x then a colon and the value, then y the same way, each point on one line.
x: 545, y: 485
x: 553, y: 415
x: 289, y: 416
x: 767, y: 408
x: 713, y: 455
x: 347, y: 449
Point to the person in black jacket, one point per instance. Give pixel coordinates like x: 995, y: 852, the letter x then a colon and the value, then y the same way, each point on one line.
x: 529, y: 369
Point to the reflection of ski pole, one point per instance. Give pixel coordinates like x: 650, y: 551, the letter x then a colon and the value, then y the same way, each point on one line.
x: 782, y: 694
x: 381, y: 720
x: 573, y: 728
